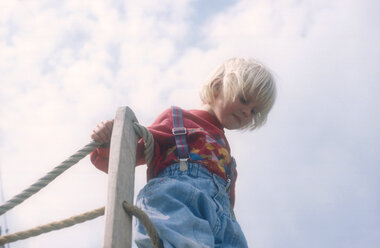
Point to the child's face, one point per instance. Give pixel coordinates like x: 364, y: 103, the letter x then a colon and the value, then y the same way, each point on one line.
x: 233, y: 114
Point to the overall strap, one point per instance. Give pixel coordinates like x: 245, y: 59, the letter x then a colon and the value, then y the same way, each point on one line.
x: 179, y: 132
x: 230, y: 173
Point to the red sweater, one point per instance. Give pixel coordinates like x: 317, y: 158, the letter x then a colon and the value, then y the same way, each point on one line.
x: 206, y: 140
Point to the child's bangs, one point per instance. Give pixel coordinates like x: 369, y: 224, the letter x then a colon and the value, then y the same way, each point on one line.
x: 262, y: 91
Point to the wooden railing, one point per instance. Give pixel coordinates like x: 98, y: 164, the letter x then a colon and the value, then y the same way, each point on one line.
x: 121, y: 179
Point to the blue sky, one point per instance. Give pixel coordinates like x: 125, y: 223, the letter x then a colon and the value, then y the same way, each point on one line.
x: 309, y: 178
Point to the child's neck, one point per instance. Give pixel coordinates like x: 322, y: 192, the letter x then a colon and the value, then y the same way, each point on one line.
x: 209, y: 109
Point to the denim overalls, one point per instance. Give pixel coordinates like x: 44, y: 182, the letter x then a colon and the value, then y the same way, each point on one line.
x: 188, y: 205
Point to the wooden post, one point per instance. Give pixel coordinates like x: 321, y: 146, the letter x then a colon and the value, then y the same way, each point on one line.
x: 121, y: 179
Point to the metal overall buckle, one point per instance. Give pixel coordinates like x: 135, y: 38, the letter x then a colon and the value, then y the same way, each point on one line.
x: 179, y: 131
x: 183, y: 166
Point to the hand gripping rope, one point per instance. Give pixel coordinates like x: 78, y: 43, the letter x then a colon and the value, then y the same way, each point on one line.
x: 49, y: 177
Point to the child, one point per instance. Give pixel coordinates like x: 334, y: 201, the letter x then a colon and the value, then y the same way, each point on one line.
x: 190, y: 191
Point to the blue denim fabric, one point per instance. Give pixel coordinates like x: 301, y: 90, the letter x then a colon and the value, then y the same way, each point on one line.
x: 189, y: 209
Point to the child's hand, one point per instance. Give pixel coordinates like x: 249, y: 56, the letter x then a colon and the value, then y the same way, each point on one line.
x: 102, y: 132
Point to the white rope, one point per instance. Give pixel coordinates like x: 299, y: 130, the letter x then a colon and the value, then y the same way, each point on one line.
x: 48, y: 178
x: 141, y: 131
x: 144, y: 133
x: 51, y: 226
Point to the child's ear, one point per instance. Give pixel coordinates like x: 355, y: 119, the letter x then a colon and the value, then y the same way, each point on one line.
x: 216, y: 86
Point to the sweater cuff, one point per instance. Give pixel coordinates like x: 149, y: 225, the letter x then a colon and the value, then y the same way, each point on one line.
x: 100, y: 157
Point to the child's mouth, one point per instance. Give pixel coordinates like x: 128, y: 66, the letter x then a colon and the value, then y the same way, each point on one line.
x: 237, y: 118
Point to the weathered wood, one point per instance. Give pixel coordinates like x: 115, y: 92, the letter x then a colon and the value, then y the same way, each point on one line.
x: 121, y: 179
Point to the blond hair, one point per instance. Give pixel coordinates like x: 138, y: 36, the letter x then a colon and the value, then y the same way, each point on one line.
x: 243, y: 77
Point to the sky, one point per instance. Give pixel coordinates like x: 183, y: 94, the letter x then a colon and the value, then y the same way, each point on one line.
x: 309, y: 178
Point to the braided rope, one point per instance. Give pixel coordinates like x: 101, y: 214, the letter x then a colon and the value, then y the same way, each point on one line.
x: 144, y: 133
x: 48, y: 178
x: 77, y: 219
x: 52, y: 226
x: 147, y: 223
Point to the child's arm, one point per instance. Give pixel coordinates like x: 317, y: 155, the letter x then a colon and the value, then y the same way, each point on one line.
x: 160, y: 129
x: 100, y: 156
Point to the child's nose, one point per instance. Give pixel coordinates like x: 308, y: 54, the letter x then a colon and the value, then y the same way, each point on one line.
x: 246, y: 111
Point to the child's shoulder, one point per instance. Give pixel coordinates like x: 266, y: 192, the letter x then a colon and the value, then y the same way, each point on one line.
x: 194, y: 117
x: 200, y: 113
x: 204, y: 119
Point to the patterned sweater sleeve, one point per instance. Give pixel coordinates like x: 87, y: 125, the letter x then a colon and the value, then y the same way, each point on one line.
x: 100, y: 156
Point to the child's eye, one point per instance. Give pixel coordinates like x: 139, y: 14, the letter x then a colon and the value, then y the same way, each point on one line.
x: 253, y: 111
x: 242, y: 100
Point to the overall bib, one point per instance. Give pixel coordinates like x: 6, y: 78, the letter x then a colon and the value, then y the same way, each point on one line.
x: 188, y: 205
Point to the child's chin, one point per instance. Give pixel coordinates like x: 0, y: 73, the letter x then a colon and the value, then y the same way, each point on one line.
x: 232, y: 126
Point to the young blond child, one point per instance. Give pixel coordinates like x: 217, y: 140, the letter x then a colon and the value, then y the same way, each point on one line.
x: 190, y: 191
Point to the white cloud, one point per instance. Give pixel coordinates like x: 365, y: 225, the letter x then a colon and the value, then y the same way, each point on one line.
x: 67, y: 65
x: 301, y: 166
